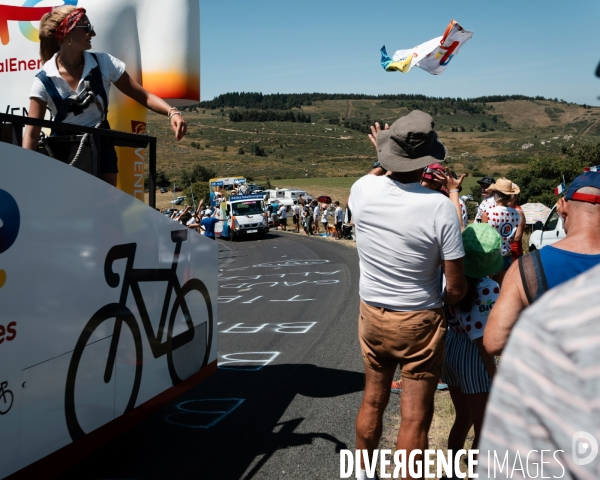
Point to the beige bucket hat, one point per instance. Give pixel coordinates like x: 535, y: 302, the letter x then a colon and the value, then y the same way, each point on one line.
x: 410, y: 143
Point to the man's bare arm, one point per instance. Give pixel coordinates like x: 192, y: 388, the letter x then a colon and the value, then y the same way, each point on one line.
x: 505, y: 312
x: 456, y: 285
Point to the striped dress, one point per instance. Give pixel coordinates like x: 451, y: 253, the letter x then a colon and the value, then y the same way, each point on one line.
x: 463, y: 366
x: 546, y: 394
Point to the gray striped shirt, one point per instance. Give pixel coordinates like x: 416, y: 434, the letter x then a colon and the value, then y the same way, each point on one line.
x: 547, y: 390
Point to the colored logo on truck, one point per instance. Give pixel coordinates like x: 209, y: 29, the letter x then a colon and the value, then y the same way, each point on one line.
x: 10, y: 220
x: 24, y: 15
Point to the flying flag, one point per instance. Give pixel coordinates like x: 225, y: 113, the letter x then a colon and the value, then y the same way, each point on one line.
x: 432, y: 56
x: 592, y: 169
x: 560, y: 189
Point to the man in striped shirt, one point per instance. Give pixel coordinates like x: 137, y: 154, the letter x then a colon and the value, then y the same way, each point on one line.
x: 544, y: 409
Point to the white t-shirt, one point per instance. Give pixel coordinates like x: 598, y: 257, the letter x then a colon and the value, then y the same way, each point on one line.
x: 295, y: 210
x: 484, y: 206
x: 317, y: 212
x: 473, y: 323
x: 403, y: 231
x: 505, y: 220
x: 111, y: 69
x: 324, y: 216
x: 283, y: 212
x: 339, y: 214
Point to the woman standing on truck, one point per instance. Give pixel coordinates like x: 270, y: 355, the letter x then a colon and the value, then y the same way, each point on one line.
x: 65, y: 38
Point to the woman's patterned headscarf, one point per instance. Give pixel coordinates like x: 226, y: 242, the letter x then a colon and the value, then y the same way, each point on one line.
x: 68, y: 24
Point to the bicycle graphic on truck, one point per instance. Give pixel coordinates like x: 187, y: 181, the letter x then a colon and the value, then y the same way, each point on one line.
x: 6, y: 398
x: 160, y: 343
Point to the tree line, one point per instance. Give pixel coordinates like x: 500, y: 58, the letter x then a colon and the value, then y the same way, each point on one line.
x: 268, y: 116
x: 287, y: 101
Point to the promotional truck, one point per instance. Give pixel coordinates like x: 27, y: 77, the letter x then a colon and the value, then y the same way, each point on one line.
x: 108, y: 312
x: 245, y: 215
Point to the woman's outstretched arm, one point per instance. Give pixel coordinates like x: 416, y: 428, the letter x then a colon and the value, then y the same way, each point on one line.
x: 132, y: 89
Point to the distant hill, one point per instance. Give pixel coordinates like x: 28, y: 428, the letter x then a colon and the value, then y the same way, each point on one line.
x: 324, y: 135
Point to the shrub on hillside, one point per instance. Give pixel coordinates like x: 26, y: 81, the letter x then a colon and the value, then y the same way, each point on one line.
x: 541, y: 175
x: 197, y: 173
x: 200, y: 190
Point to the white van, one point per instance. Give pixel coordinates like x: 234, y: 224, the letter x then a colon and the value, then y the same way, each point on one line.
x: 245, y: 216
x: 552, y: 231
x: 274, y: 194
x: 287, y: 196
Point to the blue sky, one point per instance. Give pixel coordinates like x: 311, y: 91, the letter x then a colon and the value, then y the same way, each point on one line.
x: 529, y: 47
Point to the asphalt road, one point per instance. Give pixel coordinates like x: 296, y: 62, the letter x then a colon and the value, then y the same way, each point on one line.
x: 284, y: 398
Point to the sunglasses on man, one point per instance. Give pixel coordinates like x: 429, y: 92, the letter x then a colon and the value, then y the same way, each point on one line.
x: 89, y: 27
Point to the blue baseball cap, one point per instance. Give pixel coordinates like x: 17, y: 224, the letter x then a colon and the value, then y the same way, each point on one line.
x: 588, y: 179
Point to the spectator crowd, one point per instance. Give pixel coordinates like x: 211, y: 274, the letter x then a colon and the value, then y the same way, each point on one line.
x: 440, y: 298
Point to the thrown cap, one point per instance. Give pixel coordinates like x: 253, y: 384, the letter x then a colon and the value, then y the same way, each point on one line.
x: 588, y: 179
x: 482, y: 244
x: 505, y: 186
x: 410, y: 143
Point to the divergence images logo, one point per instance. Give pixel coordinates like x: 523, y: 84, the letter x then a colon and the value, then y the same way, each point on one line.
x: 585, y: 448
x: 24, y: 15
x: 10, y: 220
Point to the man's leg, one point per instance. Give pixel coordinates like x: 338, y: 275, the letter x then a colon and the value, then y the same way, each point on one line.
x: 369, y: 422
x: 416, y: 410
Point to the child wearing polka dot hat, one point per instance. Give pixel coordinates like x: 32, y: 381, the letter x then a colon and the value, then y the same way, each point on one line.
x: 468, y: 368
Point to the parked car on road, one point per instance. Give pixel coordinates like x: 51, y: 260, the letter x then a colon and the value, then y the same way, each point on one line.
x: 178, y: 201
x: 163, y: 190
x: 324, y: 199
x: 177, y: 189
x: 551, y: 231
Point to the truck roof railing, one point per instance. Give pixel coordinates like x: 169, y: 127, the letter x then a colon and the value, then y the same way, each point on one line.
x: 12, y: 132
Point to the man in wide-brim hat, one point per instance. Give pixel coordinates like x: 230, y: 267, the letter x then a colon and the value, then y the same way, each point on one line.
x: 403, y: 232
x: 488, y: 197
x: 505, y: 186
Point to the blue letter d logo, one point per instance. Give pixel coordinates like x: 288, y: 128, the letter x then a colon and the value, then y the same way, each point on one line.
x: 10, y: 219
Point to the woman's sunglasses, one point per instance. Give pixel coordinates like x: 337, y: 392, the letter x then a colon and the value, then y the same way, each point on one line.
x: 89, y: 27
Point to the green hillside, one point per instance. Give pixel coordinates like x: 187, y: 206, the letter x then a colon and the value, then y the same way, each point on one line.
x: 320, y: 135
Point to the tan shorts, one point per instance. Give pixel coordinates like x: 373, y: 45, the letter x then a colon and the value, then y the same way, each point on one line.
x: 414, y: 340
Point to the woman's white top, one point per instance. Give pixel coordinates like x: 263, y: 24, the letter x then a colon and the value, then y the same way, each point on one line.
x: 111, y: 69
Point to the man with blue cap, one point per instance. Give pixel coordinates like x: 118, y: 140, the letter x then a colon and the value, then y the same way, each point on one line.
x: 552, y: 265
